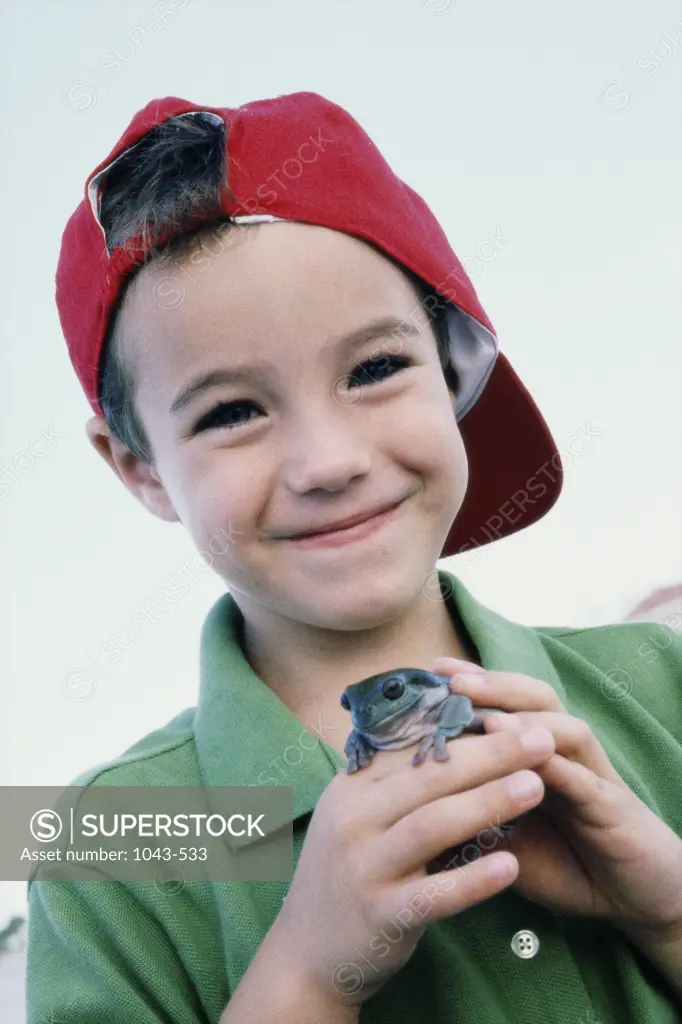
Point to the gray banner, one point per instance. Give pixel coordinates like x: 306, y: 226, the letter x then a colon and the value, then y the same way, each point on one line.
x: 164, y: 834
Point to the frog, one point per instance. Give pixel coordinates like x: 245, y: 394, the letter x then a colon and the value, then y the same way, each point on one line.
x: 397, y: 708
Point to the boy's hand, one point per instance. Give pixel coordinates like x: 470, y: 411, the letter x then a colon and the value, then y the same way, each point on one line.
x: 593, y: 847
x: 362, y: 868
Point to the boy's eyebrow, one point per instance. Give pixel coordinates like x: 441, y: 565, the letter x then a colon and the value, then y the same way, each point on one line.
x: 249, y: 373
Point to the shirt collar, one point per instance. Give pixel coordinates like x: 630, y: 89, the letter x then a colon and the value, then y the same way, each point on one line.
x: 245, y: 735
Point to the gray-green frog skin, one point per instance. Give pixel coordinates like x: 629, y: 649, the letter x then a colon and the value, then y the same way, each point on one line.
x: 396, y: 709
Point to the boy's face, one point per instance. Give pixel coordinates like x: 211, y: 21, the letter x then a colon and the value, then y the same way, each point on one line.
x: 246, y: 463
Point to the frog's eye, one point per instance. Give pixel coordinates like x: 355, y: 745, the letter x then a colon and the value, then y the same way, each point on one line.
x: 393, y: 688
x: 345, y: 703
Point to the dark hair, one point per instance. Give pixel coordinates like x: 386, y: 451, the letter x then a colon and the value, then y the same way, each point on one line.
x: 170, y: 183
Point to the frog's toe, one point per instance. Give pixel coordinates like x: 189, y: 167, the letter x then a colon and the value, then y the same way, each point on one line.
x: 423, y: 750
x: 440, y: 750
x: 365, y: 755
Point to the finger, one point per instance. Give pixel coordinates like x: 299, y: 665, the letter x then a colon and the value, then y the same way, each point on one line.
x: 477, y: 723
x: 449, y: 666
x: 434, y: 827
x: 449, y: 892
x: 573, y: 737
x: 593, y: 800
x: 472, y: 761
x: 510, y: 691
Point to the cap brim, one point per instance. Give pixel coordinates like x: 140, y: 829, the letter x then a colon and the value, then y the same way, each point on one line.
x: 515, y: 471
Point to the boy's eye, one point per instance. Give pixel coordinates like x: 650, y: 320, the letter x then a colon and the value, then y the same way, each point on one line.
x: 223, y: 415
x: 372, y: 371
x: 375, y: 368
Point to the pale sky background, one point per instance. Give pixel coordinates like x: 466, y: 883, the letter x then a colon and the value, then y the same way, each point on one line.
x: 554, y: 125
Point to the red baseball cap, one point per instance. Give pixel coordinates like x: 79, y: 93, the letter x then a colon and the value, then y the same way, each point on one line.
x: 300, y: 157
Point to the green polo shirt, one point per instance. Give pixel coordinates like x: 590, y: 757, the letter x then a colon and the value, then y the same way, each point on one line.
x: 130, y: 953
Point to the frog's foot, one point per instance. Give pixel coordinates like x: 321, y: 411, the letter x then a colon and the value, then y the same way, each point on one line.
x: 365, y: 755
x: 423, y: 750
x: 358, y: 751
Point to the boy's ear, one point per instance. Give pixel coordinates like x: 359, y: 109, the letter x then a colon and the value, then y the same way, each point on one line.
x: 141, y: 479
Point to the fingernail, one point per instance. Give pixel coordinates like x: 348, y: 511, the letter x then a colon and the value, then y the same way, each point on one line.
x: 506, y: 719
x: 468, y: 679
x: 467, y: 666
x: 524, y: 786
x: 537, y: 740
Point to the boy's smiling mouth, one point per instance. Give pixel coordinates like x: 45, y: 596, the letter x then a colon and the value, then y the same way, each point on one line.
x: 342, y: 525
x: 351, y: 529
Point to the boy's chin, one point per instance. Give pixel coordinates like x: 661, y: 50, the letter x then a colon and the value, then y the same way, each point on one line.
x: 364, y: 602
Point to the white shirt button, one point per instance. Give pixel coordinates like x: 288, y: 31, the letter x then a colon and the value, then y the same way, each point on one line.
x: 525, y: 944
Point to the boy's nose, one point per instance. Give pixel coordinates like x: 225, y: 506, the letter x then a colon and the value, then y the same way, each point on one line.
x: 325, y: 455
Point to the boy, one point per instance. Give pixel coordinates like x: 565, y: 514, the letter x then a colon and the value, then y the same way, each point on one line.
x: 266, y: 259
